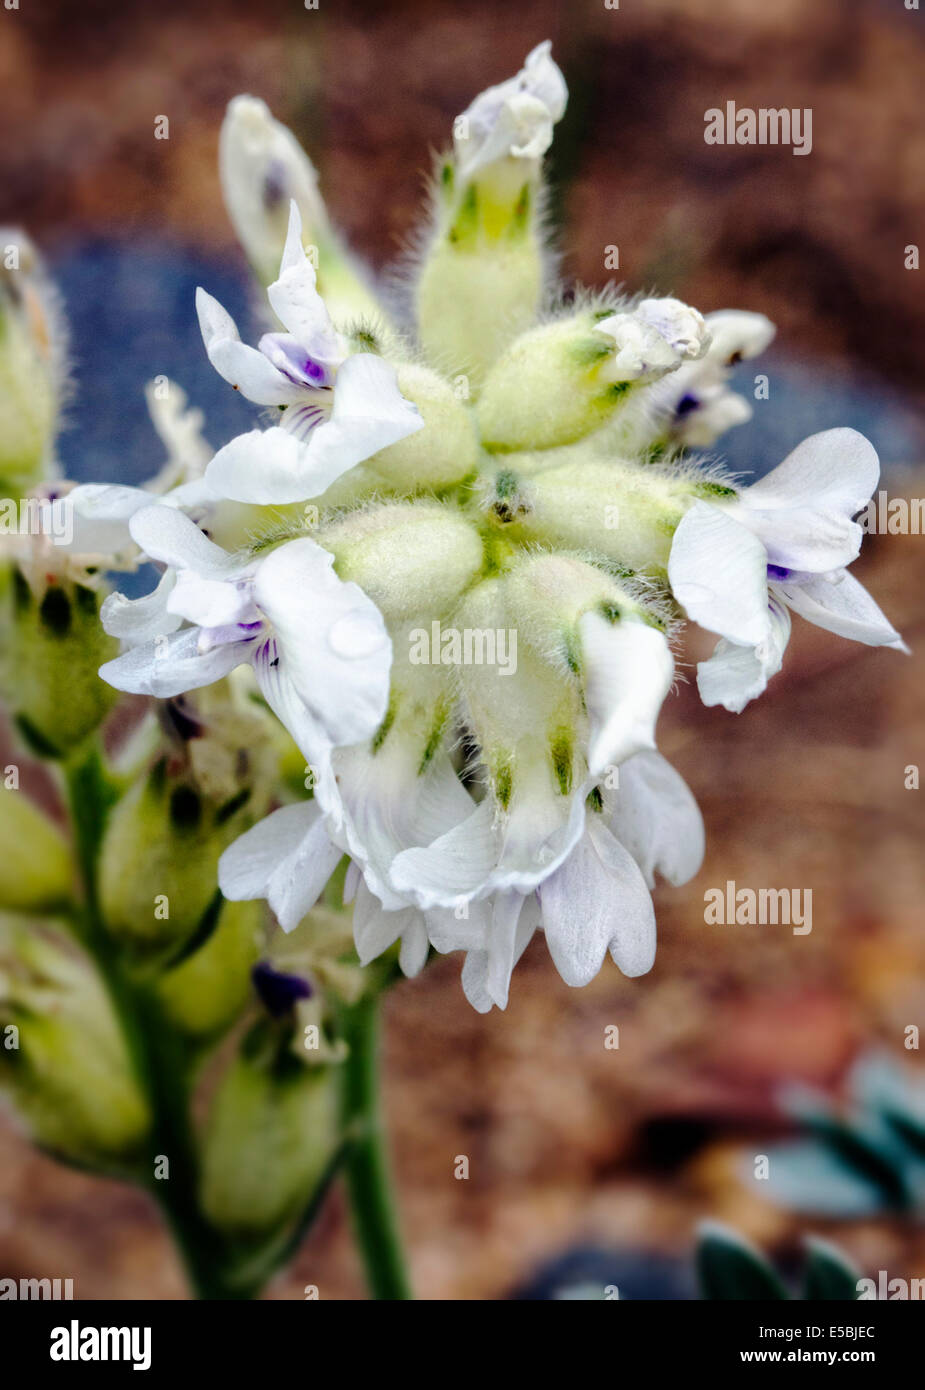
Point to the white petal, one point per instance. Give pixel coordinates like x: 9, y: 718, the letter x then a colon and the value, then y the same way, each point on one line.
x: 278, y: 466
x: 656, y: 818
x: 336, y: 648
x: 211, y: 602
x: 370, y: 413
x: 486, y: 973
x: 598, y: 899
x: 627, y: 670
x: 840, y: 604
x: 174, y: 665
x: 141, y: 619
x: 736, y: 334
x: 735, y: 675
x: 246, y: 369
x: 802, y: 510
x: 454, y: 865
x: 682, y: 327
x: 389, y: 807
x: 718, y: 573
x: 286, y: 858
x: 100, y: 513
x: 375, y: 930
x: 514, y: 118
x: 297, y: 303
x: 169, y: 536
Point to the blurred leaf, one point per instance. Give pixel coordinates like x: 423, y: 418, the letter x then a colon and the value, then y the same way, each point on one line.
x: 728, y: 1267
x: 829, y: 1274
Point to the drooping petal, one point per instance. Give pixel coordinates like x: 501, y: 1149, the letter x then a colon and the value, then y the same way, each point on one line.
x: 172, y: 664
x: 492, y: 851
x: 243, y: 367
x: 656, y: 818
x: 286, y: 858
x: 486, y: 972
x: 597, y: 900
x: 734, y: 675
x: 375, y: 930
x: 627, y: 672
x: 839, y: 603
x: 802, y: 511
x: 388, y: 806
x: 718, y: 573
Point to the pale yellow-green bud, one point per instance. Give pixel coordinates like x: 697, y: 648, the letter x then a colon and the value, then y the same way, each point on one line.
x: 32, y: 348
x: 438, y: 456
x: 405, y: 555
x: 622, y: 511
x: 271, y: 1132
x: 482, y: 276
x: 204, y: 994
x: 52, y: 649
x: 561, y: 381
x: 159, y: 861
x: 38, y: 871
x: 62, y: 1052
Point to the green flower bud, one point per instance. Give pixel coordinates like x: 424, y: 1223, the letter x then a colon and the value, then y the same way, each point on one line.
x: 52, y: 649
x: 436, y: 457
x: 204, y: 994
x: 482, y: 277
x: 272, y: 1130
x: 159, y: 861
x: 38, y: 875
x: 624, y: 512
x: 405, y: 555
x: 476, y: 293
x: 63, y: 1054
x: 31, y: 365
x: 561, y: 381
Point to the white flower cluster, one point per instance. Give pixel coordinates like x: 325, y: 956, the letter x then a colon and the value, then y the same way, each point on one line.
x: 474, y: 810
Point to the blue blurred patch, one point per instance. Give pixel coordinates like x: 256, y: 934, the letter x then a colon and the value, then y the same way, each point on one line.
x: 809, y: 395
x: 132, y: 317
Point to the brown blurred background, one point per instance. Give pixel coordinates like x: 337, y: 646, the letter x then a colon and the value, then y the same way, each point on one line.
x: 571, y: 1144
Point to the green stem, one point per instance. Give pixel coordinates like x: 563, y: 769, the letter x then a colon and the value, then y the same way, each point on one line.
x: 160, y: 1059
x: 366, y: 1164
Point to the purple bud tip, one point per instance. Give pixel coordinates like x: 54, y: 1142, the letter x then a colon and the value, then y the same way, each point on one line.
x: 278, y: 992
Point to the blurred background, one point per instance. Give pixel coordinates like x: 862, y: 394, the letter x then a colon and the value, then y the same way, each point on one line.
x: 584, y: 1161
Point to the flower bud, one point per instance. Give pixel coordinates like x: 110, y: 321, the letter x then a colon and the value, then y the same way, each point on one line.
x: 625, y: 512
x: 263, y: 168
x: 406, y: 556
x: 38, y: 875
x: 159, y: 860
x: 441, y: 454
x: 32, y: 346
x: 482, y: 276
x: 562, y: 380
x: 204, y: 994
x: 69, y: 1068
x: 52, y: 649
x: 272, y: 1131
